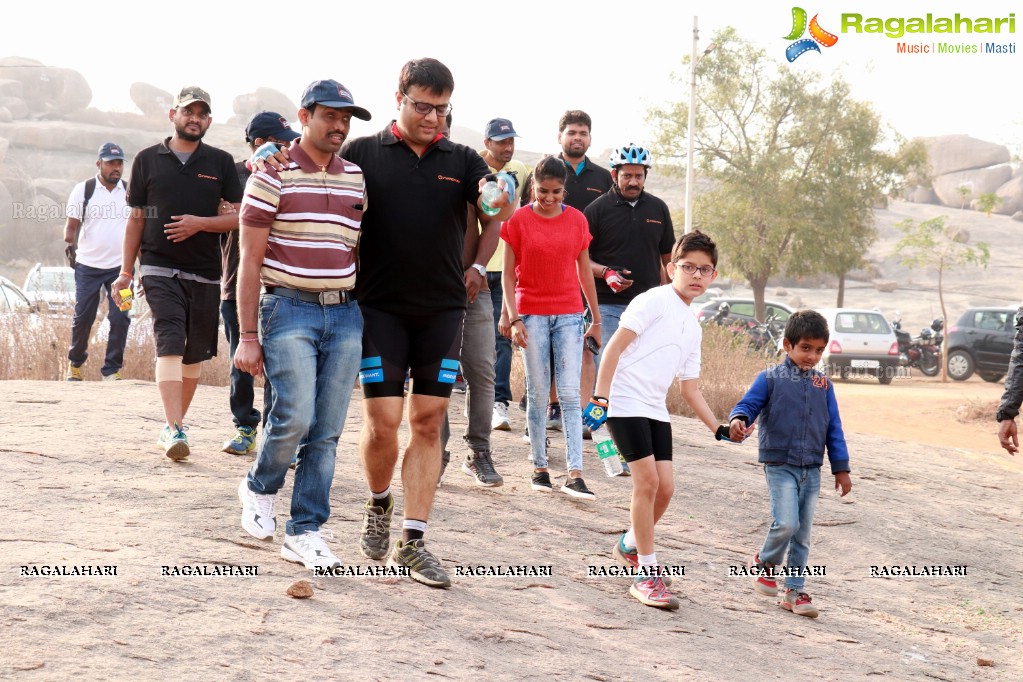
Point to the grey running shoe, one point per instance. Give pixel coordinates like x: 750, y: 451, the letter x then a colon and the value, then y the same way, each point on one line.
x: 480, y: 466
x: 423, y: 566
x: 376, y: 530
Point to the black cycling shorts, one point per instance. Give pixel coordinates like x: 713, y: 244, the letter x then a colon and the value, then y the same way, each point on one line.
x: 427, y: 346
x: 186, y: 317
x: 639, y: 437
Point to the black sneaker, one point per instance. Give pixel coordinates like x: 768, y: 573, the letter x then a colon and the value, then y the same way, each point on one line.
x: 480, y: 466
x: 541, y: 481
x: 576, y: 487
x: 444, y: 459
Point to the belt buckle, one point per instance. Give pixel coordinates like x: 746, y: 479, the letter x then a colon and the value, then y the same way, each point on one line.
x: 330, y: 297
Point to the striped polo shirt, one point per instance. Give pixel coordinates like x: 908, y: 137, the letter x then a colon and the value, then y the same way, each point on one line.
x: 314, y: 217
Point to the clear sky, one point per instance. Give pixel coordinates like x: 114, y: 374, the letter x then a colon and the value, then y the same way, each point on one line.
x: 527, y: 61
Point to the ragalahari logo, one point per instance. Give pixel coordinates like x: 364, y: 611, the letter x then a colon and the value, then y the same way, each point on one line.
x: 817, y: 35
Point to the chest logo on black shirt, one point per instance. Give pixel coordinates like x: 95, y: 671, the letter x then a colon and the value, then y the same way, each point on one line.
x: 655, y: 222
x: 206, y: 177
x: 446, y: 178
x: 595, y: 189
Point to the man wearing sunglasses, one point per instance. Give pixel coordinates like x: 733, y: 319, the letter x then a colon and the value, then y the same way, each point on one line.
x: 418, y: 182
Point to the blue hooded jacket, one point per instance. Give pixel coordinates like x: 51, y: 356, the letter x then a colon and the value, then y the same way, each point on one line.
x: 798, y: 417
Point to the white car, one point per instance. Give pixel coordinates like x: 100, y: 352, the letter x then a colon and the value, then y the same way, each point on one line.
x: 51, y: 290
x: 862, y: 343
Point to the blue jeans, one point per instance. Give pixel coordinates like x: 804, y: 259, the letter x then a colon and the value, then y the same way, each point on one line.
x: 90, y: 283
x: 311, y: 356
x: 242, y: 383
x: 563, y: 334
x: 610, y: 316
x: 503, y: 363
x: 794, y: 492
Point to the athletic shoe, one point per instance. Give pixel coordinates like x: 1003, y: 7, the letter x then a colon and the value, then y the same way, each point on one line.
x: 73, y: 373
x: 522, y: 404
x: 541, y: 481
x: 799, y: 603
x: 376, y: 529
x: 630, y: 557
x: 445, y: 458
x: 174, y: 443
x: 576, y: 487
x: 529, y: 452
x: 459, y: 386
x: 653, y: 592
x: 422, y: 564
x: 525, y: 435
x: 257, y: 512
x: 116, y: 376
x: 243, y: 443
x: 480, y: 466
x: 499, y: 420
x: 554, y: 416
x: 763, y: 584
x: 625, y: 466
x: 310, y: 550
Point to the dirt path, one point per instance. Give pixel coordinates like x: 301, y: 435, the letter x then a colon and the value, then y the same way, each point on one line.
x: 85, y: 485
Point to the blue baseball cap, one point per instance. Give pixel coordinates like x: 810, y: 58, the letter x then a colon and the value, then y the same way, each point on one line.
x: 267, y: 124
x: 500, y: 129
x: 110, y: 152
x: 330, y: 93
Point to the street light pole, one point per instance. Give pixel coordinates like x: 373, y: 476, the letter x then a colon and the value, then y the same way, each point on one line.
x: 693, y: 61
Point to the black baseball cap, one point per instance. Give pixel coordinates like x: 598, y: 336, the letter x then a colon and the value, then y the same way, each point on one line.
x: 330, y: 93
x: 267, y: 124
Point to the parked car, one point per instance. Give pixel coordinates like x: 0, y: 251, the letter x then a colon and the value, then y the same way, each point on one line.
x: 742, y: 309
x: 862, y: 342
x: 51, y: 290
x: 12, y: 300
x: 981, y: 341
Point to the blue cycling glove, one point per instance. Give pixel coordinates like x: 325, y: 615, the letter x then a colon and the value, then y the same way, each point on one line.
x: 595, y: 414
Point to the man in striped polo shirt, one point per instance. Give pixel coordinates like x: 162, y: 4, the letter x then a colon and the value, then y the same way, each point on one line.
x: 299, y: 230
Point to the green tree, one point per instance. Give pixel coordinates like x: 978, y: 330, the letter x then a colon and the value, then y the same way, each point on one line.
x: 933, y: 244
x: 988, y: 202
x: 795, y: 166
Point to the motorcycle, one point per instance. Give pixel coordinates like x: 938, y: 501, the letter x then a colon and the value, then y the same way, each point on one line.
x: 923, y: 351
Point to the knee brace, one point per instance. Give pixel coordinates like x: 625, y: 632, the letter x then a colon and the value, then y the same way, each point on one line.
x: 168, y: 368
x: 191, y: 371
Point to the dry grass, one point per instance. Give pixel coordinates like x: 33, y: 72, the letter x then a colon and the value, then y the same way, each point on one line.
x: 728, y: 368
x: 35, y: 347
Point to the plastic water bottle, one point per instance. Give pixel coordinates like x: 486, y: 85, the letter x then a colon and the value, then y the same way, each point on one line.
x: 607, y: 452
x: 491, y: 193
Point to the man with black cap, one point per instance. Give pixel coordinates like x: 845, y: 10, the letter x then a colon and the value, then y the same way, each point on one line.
x: 300, y: 227
x: 96, y: 214
x: 266, y: 126
x: 175, y: 192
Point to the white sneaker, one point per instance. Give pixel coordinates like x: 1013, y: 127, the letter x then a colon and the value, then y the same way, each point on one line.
x: 257, y: 512
x: 310, y: 550
x: 499, y: 421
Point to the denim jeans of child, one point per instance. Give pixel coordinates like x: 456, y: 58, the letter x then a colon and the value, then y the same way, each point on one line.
x: 794, y: 492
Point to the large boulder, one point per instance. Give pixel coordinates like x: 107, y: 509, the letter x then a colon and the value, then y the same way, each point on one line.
x: 4, y: 145
x: 978, y: 181
x: 1011, y: 195
x: 952, y: 153
x: 48, y: 91
x: 263, y: 99
x: 918, y: 194
x: 154, y: 102
x: 10, y: 88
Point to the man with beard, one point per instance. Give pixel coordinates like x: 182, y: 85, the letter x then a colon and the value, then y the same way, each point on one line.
x: 96, y: 213
x: 586, y: 181
x: 412, y: 293
x: 174, y: 228
x: 300, y: 229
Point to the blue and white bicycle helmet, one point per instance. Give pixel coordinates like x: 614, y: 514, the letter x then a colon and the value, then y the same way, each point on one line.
x: 631, y: 154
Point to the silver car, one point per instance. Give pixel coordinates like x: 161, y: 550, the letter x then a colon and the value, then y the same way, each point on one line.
x: 862, y: 343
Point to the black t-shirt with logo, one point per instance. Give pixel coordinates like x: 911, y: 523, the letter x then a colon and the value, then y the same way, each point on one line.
x: 413, y: 230
x: 162, y: 186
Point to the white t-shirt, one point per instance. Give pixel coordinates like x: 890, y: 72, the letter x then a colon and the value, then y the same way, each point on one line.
x: 667, y: 345
x: 101, y: 235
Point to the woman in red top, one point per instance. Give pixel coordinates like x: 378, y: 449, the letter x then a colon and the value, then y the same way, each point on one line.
x: 545, y: 263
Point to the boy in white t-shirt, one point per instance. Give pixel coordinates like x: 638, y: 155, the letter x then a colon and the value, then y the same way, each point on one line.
x: 658, y: 339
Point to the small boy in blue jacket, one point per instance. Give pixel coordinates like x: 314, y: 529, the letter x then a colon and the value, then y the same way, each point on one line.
x: 798, y: 417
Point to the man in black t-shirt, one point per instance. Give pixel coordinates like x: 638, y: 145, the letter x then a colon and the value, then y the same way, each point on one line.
x: 175, y: 191
x: 412, y: 293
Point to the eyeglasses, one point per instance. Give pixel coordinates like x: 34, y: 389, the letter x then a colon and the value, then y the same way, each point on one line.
x: 689, y: 269
x: 424, y: 109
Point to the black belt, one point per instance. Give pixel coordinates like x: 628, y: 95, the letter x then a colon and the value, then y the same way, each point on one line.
x: 321, y: 297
